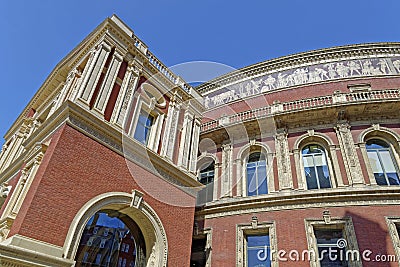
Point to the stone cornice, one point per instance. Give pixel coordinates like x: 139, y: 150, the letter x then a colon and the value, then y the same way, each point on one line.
x: 300, y: 59
x: 291, y: 200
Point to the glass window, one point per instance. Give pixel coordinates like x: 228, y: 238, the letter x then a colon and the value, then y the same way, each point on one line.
x: 382, y: 162
x: 316, y: 167
x: 98, y: 249
x: 206, y: 177
x: 329, y: 253
x: 256, y: 170
x: 258, y: 250
x: 143, y: 127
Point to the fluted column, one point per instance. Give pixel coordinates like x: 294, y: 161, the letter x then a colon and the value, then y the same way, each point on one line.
x: 128, y: 86
x: 347, y: 147
x: 283, y: 160
x: 171, y: 130
x: 92, y: 73
x: 226, y: 172
x: 194, y: 145
x: 108, y: 83
x: 185, y: 140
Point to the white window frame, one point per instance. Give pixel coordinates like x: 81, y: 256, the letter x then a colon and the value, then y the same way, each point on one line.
x: 148, y: 107
x: 392, y: 222
x: 328, y: 162
x: 255, y: 228
x: 347, y: 226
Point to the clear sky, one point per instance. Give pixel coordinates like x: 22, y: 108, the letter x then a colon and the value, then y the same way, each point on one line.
x: 37, y: 34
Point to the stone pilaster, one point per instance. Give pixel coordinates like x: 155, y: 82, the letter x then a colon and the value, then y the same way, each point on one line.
x: 93, y: 71
x: 108, y: 84
x: 185, y: 140
x: 226, y: 170
x: 283, y: 160
x: 171, y: 130
x: 194, y: 145
x: 128, y: 86
x: 349, y: 153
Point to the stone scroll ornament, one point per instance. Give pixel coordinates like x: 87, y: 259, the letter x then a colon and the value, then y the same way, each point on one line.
x: 304, y: 75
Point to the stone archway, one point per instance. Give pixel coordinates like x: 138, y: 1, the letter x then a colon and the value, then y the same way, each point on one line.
x: 132, y: 208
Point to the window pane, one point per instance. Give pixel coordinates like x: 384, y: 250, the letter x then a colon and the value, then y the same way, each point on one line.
x: 319, y: 160
x: 380, y: 179
x: 258, y: 250
x: 387, y: 161
x: 311, y: 178
x: 323, y: 177
x: 393, y: 178
x: 251, y: 180
x: 262, y: 178
x: 374, y: 161
x: 308, y: 161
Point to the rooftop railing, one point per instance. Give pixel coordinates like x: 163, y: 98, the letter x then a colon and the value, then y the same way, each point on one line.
x: 317, y: 102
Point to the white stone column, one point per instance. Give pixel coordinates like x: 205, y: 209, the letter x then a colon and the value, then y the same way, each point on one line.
x: 70, y: 81
x: 108, y: 83
x: 239, y: 177
x: 171, y: 130
x: 347, y: 147
x: 93, y: 71
x: 22, y: 188
x: 185, y: 140
x: 226, y: 170
x: 194, y: 145
x: 125, y: 96
x: 283, y: 161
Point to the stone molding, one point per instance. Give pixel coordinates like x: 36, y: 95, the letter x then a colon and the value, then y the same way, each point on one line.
x: 299, y: 199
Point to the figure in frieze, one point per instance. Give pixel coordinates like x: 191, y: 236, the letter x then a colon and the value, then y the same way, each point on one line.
x: 290, y: 79
x: 207, y: 102
x: 282, y: 81
x: 383, y: 66
x: 313, y: 76
x: 396, y: 64
x: 354, y: 67
x: 255, y: 86
x: 248, y: 89
x: 242, y: 92
x: 367, y: 67
x: 331, y: 70
x: 342, y: 70
x: 304, y: 75
x: 323, y: 74
x: 269, y: 84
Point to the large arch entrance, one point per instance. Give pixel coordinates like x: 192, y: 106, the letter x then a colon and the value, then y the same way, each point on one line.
x: 115, y: 229
x: 111, y: 238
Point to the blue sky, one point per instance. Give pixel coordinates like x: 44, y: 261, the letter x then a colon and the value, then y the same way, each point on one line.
x: 36, y: 35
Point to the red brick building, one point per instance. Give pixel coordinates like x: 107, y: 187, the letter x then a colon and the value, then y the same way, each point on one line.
x: 299, y: 155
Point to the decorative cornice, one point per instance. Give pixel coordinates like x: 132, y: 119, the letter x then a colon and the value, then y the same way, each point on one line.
x: 291, y: 200
x: 301, y: 59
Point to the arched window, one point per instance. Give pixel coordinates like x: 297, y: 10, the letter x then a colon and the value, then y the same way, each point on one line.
x: 382, y: 162
x: 256, y: 172
x: 316, y: 167
x: 206, y: 177
x: 111, y: 239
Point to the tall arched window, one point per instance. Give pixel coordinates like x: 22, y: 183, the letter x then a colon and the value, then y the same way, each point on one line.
x: 382, y: 162
x: 111, y: 239
x: 256, y: 172
x: 206, y: 177
x: 316, y: 167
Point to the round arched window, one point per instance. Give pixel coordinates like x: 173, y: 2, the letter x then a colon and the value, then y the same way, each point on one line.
x: 316, y: 167
x: 256, y: 173
x: 382, y: 162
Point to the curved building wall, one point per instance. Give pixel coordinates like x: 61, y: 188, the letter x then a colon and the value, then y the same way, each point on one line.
x: 337, y: 102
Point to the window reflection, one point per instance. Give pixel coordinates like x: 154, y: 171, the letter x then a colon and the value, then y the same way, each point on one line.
x: 106, y: 241
x: 256, y: 174
x: 382, y: 162
x: 315, y: 167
